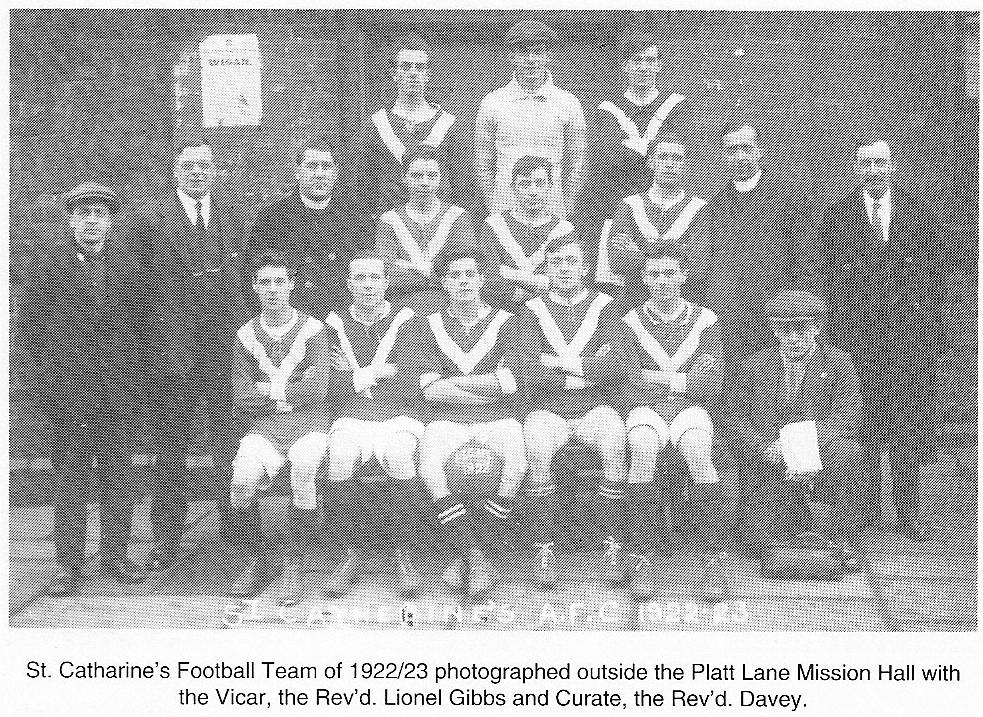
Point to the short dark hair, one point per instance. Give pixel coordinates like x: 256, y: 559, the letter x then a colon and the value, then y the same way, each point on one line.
x: 370, y: 256
x: 273, y: 259
x: 422, y: 151
x: 672, y: 137
x: 318, y: 145
x: 455, y: 252
x: 667, y: 249
x: 565, y: 240
x: 193, y: 142
x: 635, y: 42
x: 525, y: 166
x: 408, y: 41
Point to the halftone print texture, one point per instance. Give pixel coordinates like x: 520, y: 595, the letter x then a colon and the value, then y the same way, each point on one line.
x: 244, y: 396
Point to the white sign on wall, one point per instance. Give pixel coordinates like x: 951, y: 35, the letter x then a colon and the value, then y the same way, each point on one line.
x: 230, y: 88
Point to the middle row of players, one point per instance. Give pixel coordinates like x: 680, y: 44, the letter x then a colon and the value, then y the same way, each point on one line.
x: 411, y: 387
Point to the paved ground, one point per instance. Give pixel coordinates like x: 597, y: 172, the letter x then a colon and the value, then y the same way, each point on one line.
x: 903, y: 586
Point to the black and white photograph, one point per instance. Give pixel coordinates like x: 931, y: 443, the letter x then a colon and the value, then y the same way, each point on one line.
x: 493, y: 320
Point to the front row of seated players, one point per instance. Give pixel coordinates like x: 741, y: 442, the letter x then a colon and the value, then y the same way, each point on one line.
x: 571, y: 364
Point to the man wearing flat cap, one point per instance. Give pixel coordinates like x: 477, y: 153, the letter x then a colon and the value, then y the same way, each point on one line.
x: 880, y: 265
x: 796, y: 425
x: 83, y: 320
x: 530, y: 116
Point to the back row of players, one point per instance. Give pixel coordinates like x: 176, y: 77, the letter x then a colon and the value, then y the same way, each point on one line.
x: 496, y: 333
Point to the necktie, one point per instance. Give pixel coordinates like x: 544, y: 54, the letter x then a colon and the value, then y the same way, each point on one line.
x: 879, y: 211
x: 199, y: 217
x: 794, y: 373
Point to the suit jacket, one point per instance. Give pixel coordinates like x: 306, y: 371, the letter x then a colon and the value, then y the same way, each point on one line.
x: 828, y: 394
x: 87, y: 366
x: 172, y: 274
x: 886, y: 304
x: 746, y: 248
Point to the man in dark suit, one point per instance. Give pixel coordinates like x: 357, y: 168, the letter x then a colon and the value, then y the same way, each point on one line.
x: 83, y: 320
x: 879, y: 265
x: 192, y: 251
x: 313, y: 230
x: 798, y: 379
x: 747, y: 247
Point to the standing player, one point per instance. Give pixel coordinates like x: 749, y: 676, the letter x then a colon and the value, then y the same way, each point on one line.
x: 577, y: 366
x: 629, y: 124
x: 678, y: 346
x: 411, y: 122
x: 376, y: 417
x: 663, y: 214
x: 473, y: 388
x: 410, y: 236
x: 520, y: 235
x: 530, y: 115
x: 280, y: 383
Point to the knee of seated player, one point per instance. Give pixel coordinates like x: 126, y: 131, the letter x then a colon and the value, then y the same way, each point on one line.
x: 248, y: 469
x: 543, y: 435
x: 645, y: 443
x: 696, y: 444
x: 398, y: 453
x: 308, y: 452
x: 344, y: 455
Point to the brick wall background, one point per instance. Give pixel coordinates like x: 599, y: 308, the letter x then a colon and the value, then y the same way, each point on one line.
x: 106, y: 94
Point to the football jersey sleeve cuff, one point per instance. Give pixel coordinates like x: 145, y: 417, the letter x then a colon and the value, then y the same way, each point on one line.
x: 278, y: 391
x: 677, y: 383
x: 428, y: 378
x: 506, y: 379
x: 573, y: 383
x: 363, y: 378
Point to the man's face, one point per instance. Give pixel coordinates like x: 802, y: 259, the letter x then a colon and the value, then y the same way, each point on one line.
x: 316, y: 175
x: 195, y: 171
x: 565, y: 269
x: 90, y: 222
x: 422, y: 180
x: 667, y: 162
x: 531, y: 63
x: 463, y: 281
x: 273, y: 286
x: 874, y: 168
x: 531, y: 190
x: 741, y: 153
x: 410, y: 72
x: 368, y: 283
x: 795, y: 338
x: 664, y: 278
x: 642, y: 67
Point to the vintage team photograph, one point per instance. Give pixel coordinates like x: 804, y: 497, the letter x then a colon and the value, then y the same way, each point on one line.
x: 493, y: 320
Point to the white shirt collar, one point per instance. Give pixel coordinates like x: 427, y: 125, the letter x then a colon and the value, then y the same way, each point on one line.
x: 660, y: 201
x: 189, y: 207
x: 317, y: 206
x: 639, y: 101
x: 574, y: 300
x: 518, y: 92
x: 748, y: 184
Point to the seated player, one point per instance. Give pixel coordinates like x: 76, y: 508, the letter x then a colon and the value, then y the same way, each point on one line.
x: 410, y: 236
x: 799, y: 379
x: 374, y: 417
x: 519, y: 236
x: 473, y: 390
x: 280, y: 383
x: 577, y: 354
x: 678, y: 346
x: 663, y: 214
